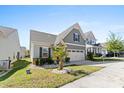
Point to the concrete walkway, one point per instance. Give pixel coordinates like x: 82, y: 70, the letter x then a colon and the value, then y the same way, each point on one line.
x: 112, y: 76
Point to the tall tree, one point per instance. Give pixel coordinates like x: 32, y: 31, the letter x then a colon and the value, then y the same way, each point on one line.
x: 114, y: 43
x: 59, y: 54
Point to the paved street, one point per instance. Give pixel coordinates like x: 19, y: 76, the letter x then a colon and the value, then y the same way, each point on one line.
x: 112, y: 76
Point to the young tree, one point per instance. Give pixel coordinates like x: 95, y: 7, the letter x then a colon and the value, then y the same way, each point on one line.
x: 114, y: 43
x: 59, y: 54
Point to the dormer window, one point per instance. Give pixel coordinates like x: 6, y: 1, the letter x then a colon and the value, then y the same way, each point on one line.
x: 76, y: 37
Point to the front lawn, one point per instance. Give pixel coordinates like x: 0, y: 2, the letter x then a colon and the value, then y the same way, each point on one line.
x: 40, y: 78
x: 108, y: 59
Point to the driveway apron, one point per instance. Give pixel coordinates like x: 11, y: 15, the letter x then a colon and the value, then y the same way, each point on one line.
x: 112, y: 76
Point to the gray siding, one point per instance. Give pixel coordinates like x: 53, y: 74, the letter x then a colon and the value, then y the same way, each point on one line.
x: 75, y: 47
x: 69, y: 38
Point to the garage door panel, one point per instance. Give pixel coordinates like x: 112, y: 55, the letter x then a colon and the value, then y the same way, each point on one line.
x: 76, y: 56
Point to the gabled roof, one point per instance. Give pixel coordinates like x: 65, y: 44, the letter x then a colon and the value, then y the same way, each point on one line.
x: 37, y: 36
x: 5, y: 31
x: 62, y: 35
x: 89, y: 35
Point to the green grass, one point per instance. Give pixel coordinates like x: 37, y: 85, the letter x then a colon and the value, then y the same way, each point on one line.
x: 108, y: 59
x: 42, y: 78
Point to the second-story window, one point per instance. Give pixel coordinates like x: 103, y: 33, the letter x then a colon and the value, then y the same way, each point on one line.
x: 76, y: 37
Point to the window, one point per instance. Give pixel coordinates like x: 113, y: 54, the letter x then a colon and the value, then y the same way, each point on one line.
x: 93, y: 42
x: 76, y: 37
x: 90, y: 41
x: 73, y: 50
x: 69, y: 50
x: 81, y: 51
x: 45, y: 52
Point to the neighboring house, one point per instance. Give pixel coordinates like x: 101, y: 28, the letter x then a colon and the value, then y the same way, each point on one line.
x: 23, y: 52
x: 121, y: 54
x: 9, y: 43
x: 73, y: 38
x: 104, y: 49
x: 91, y: 45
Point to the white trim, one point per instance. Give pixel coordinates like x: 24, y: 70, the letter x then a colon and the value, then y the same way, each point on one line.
x: 92, y: 46
x: 75, y: 44
x: 76, y: 50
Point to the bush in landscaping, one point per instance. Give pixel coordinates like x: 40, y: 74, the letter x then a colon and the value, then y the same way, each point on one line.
x: 90, y: 56
x: 67, y: 59
x: 42, y: 61
x: 97, y: 55
x: 50, y: 61
x: 37, y: 62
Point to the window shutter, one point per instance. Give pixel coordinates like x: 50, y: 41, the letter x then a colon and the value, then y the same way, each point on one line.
x: 74, y: 36
x: 40, y: 52
x: 78, y: 37
x: 49, y: 52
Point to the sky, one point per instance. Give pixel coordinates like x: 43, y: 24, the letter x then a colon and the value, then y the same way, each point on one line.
x: 55, y: 19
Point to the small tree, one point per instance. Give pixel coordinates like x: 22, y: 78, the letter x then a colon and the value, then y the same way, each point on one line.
x: 59, y: 54
x: 114, y: 43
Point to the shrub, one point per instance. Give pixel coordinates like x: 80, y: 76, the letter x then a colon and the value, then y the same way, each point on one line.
x: 37, y: 62
x: 90, y: 56
x: 97, y: 55
x: 42, y: 61
x: 45, y: 61
x: 67, y: 59
x: 50, y: 61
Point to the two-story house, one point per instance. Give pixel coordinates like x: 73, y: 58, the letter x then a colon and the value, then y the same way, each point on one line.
x: 9, y: 43
x: 73, y: 38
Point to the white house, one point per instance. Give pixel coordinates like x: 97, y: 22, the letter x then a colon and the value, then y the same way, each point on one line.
x: 23, y: 52
x: 104, y: 49
x: 9, y: 43
x: 91, y: 45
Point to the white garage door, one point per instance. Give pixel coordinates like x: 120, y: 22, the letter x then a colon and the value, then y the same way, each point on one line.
x: 76, y: 55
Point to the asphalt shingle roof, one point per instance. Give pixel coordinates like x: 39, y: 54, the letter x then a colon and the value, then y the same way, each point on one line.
x: 89, y: 35
x: 37, y: 36
x: 5, y: 31
x: 56, y: 39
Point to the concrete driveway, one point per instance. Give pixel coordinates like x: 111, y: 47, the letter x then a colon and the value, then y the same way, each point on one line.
x: 112, y: 76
